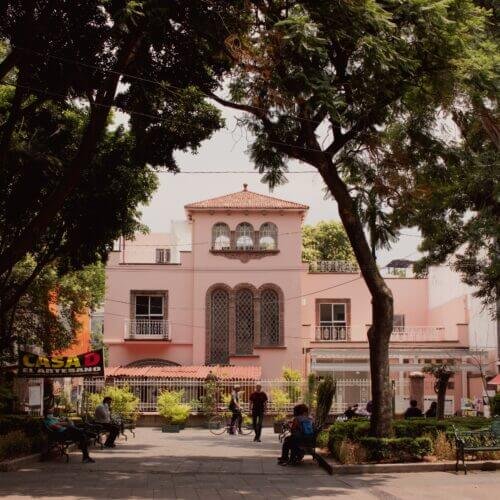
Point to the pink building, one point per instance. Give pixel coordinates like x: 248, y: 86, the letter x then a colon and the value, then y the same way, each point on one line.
x: 228, y: 287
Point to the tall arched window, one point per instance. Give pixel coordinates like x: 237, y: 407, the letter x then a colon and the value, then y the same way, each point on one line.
x: 269, y: 317
x: 268, y: 236
x: 219, y: 327
x: 221, y: 236
x: 244, y: 321
x: 244, y: 236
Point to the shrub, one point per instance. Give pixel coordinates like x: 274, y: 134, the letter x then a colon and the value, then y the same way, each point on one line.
x: 124, y: 402
x: 350, y: 452
x: 396, y: 449
x: 295, y: 379
x: 325, y: 393
x: 31, y: 426
x: 280, y: 400
x: 495, y: 405
x: 14, y: 444
x: 444, y: 448
x: 171, y: 408
x: 322, y: 439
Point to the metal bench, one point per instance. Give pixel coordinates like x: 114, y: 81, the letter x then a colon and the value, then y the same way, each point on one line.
x: 487, y: 439
x: 56, y: 442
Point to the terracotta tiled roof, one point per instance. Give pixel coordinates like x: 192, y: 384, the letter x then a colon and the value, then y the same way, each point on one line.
x: 248, y: 200
x: 196, y: 372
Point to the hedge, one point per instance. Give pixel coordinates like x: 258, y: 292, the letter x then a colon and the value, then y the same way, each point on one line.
x: 31, y: 426
x: 412, y: 438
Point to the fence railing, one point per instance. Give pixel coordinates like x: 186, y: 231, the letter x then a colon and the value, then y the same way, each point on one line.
x: 418, y: 333
x: 147, y: 329
x: 333, y: 266
x: 348, y: 392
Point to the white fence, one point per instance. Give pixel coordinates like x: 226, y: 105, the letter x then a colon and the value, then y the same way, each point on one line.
x: 348, y: 392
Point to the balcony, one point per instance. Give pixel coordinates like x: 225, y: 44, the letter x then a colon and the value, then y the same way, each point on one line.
x: 418, y: 334
x: 333, y: 333
x: 147, y: 329
x: 333, y: 266
x: 358, y: 333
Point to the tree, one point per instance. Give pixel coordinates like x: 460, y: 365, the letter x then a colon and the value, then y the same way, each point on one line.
x: 323, y: 82
x: 68, y: 52
x: 48, y: 313
x: 442, y: 374
x: 326, y: 240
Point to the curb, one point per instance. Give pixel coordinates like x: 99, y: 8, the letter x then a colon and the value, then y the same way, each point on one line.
x: 448, y: 466
x: 17, y: 463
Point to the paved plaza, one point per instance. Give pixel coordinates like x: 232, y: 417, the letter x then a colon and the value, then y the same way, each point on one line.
x: 197, y: 465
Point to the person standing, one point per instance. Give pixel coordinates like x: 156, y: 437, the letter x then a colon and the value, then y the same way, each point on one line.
x: 258, y: 403
x: 102, y: 416
x: 235, y: 408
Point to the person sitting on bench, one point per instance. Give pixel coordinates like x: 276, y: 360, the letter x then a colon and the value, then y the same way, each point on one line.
x: 66, y: 431
x: 103, y: 418
x: 301, y: 433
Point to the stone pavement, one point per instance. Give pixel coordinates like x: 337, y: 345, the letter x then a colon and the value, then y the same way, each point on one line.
x: 197, y: 465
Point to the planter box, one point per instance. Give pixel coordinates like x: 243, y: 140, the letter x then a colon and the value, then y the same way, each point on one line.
x: 278, y: 427
x: 171, y: 428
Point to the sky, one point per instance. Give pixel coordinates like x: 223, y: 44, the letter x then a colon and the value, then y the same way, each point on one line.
x: 226, y: 151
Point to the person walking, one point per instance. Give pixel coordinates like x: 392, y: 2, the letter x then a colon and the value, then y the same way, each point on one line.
x: 258, y: 403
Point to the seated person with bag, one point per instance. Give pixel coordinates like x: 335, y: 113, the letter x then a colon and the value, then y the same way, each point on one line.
x: 66, y: 431
x: 102, y: 416
x: 301, y: 434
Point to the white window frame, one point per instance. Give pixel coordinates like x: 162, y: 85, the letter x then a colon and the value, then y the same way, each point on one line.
x: 149, y: 315
x: 245, y: 236
x: 162, y: 255
x: 333, y: 322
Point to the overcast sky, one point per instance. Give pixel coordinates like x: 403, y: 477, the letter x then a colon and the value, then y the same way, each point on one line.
x: 226, y: 150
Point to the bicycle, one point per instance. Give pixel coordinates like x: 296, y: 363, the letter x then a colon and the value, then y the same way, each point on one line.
x: 218, y: 424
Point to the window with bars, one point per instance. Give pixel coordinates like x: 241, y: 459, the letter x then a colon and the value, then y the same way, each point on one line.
x: 398, y: 321
x: 244, y: 322
x: 269, y: 318
x: 162, y: 255
x: 221, y: 236
x: 244, y: 236
x: 268, y: 236
x: 219, y: 322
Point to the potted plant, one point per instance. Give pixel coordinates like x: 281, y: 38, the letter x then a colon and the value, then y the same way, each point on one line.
x: 209, y: 400
x: 171, y: 408
x: 280, y: 400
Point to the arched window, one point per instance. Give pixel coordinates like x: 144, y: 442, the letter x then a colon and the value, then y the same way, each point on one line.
x: 244, y: 236
x: 269, y: 317
x: 268, y: 236
x: 219, y: 327
x: 221, y: 236
x: 244, y: 321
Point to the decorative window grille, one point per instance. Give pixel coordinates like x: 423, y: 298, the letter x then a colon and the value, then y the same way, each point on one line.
x: 268, y: 236
x: 244, y: 236
x: 162, y: 255
x: 244, y: 322
x: 269, y: 318
x: 221, y: 236
x: 398, y: 322
x: 219, y: 324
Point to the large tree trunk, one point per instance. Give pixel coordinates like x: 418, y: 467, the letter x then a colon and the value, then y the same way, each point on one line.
x: 382, y: 305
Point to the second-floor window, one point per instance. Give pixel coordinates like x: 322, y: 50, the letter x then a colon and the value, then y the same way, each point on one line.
x: 149, y: 307
x: 398, y: 322
x: 162, y: 255
x: 244, y: 236
x: 268, y: 236
x: 221, y: 236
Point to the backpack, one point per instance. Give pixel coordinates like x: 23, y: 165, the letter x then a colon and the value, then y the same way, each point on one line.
x: 306, y: 427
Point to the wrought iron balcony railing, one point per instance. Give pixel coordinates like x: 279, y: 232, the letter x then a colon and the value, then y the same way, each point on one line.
x: 138, y: 329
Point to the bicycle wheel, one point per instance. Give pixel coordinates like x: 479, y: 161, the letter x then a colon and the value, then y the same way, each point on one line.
x: 217, y: 425
x: 246, y: 429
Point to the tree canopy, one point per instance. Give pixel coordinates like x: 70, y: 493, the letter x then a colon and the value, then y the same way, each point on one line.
x: 326, y: 83
x: 326, y: 240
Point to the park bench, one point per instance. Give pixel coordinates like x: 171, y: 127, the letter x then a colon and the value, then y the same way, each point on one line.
x: 95, y: 431
x: 308, y: 447
x: 487, y: 439
x: 56, y: 442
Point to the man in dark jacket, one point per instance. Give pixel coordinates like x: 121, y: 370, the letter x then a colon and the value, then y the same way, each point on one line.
x: 413, y: 411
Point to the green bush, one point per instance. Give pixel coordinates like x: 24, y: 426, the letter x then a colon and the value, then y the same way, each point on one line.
x: 495, y: 405
x: 396, y: 449
x: 124, y: 402
x: 14, y: 444
x: 31, y: 426
x: 171, y: 408
x: 280, y: 400
x: 295, y: 387
x: 322, y: 439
